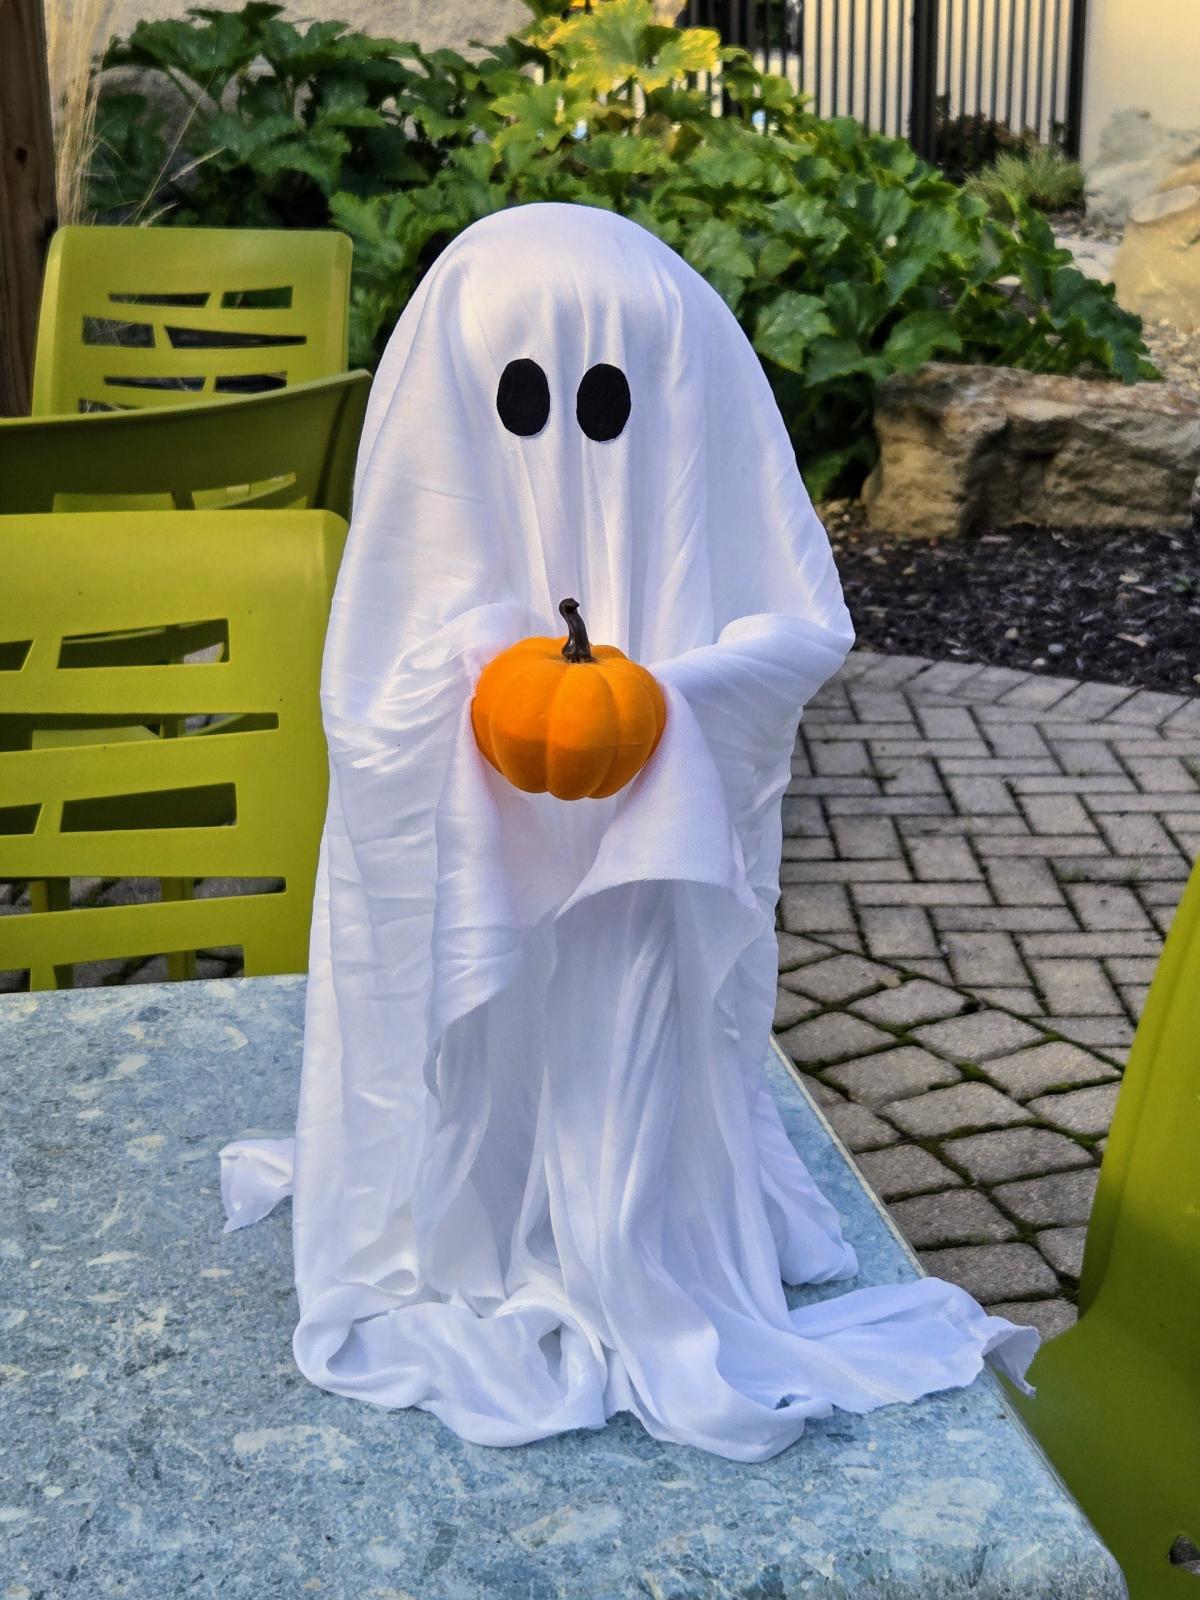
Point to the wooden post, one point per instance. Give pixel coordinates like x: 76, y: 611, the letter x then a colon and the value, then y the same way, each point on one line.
x: 27, y: 201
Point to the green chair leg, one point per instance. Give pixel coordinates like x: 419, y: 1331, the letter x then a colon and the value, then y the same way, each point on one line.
x: 1117, y: 1402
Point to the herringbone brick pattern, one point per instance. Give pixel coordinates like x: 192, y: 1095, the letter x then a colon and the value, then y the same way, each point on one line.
x: 979, y: 866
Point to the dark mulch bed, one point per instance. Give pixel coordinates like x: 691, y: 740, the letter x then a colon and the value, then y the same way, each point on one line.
x: 1112, y: 607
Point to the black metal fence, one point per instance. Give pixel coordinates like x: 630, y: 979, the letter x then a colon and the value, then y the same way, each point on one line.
x: 949, y: 74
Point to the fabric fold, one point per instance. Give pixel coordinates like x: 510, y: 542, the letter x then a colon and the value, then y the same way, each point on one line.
x: 256, y: 1174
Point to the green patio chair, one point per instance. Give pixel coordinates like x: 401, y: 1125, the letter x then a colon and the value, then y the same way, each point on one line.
x: 1117, y: 1407
x: 175, y: 316
x: 295, y: 447
x: 239, y: 799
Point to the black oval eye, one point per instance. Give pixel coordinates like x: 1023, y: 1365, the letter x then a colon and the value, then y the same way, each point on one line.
x: 523, y: 398
x: 602, y: 403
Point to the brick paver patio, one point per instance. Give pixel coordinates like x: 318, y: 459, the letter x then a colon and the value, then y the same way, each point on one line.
x: 979, y: 867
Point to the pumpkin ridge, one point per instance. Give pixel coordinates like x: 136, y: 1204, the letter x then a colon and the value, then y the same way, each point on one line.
x: 492, y: 685
x: 524, y: 751
x: 579, y: 700
x: 630, y: 756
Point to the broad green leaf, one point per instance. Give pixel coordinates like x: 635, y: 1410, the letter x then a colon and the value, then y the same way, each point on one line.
x: 477, y: 160
x: 843, y: 358
x: 917, y: 337
x: 855, y: 307
x: 821, y: 472
x: 884, y: 210
x: 894, y: 155
x: 807, y: 215
x: 618, y: 42
x: 775, y: 257
x: 719, y: 167
x: 718, y: 247
x: 787, y: 326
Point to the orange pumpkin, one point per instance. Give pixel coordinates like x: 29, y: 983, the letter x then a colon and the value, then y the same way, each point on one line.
x: 554, y: 714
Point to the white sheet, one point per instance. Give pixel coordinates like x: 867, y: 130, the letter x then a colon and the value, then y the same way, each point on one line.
x: 538, y: 1178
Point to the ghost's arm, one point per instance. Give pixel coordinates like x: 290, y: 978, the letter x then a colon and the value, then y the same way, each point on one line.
x: 748, y: 689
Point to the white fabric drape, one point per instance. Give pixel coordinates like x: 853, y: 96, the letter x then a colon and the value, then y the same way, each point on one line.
x: 538, y: 1177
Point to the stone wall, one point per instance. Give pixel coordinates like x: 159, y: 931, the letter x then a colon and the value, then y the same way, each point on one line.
x: 433, y: 23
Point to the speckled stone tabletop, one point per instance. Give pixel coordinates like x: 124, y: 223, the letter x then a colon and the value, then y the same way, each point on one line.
x: 157, y: 1441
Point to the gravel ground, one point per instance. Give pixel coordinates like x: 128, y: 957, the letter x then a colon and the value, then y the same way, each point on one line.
x: 1175, y: 353
x: 1110, y: 607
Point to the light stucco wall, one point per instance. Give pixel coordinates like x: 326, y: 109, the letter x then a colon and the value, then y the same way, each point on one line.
x: 1143, y: 54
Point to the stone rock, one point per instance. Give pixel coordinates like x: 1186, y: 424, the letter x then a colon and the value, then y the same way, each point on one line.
x: 955, y: 1110
x: 1063, y: 1249
x: 839, y: 978
x: 1060, y: 1198
x: 1196, y: 507
x: 450, y: 23
x: 1049, y: 1317
x: 967, y: 448
x: 892, y: 1075
x: 977, y: 1037
x: 993, y: 1272
x: 1135, y: 155
x: 1015, y: 1153
x: 1180, y: 177
x: 904, y: 1169
x: 791, y: 1009
x: 1132, y: 134
x: 956, y: 1216
x: 858, y: 1128
x: 916, y: 1001
x: 1087, y: 1112
x: 1157, y: 268
x: 834, y: 1037
x: 1093, y: 257
x: 1047, y: 1066
x: 793, y: 951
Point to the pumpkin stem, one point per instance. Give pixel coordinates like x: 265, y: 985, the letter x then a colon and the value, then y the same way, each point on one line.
x: 577, y: 647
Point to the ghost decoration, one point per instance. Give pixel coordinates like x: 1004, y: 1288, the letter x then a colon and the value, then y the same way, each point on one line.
x: 538, y: 1178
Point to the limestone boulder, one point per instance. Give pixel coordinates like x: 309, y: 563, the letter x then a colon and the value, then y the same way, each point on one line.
x: 1180, y: 177
x: 1135, y: 155
x: 1157, y: 268
x: 433, y: 23
x: 964, y: 449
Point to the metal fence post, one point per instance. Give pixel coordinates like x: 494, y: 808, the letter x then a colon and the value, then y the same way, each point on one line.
x: 922, y: 115
x: 1077, y: 48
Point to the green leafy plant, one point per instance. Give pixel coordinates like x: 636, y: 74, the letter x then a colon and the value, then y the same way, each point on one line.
x: 274, y: 119
x: 844, y: 257
x: 1041, y: 176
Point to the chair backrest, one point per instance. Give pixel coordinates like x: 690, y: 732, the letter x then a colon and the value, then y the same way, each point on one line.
x: 157, y: 316
x: 238, y: 801
x: 293, y: 448
x: 1143, y: 1241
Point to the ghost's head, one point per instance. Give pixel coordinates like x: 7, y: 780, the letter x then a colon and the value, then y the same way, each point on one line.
x: 566, y: 407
